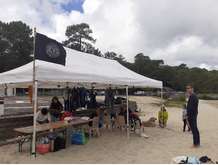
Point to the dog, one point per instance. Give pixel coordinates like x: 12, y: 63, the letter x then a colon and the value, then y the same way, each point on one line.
x: 150, y: 123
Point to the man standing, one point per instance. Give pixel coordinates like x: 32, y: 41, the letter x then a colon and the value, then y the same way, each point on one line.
x: 192, y: 112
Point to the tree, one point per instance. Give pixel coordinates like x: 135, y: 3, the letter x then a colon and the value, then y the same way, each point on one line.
x: 79, y: 37
x: 97, y: 52
x: 16, y: 45
x: 141, y: 61
x: 182, y: 66
x: 92, y: 50
x: 110, y: 55
x: 140, y: 57
x: 121, y: 59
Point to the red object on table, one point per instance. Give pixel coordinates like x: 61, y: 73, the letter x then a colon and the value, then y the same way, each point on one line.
x: 43, y: 148
x: 65, y: 114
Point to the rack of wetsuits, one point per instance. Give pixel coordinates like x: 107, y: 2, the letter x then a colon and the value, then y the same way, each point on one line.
x: 79, y: 97
x: 75, y: 98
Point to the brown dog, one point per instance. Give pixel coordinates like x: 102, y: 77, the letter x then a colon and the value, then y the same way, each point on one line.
x: 150, y: 122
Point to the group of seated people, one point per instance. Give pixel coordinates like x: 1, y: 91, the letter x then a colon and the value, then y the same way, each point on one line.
x: 108, y: 117
x: 52, y: 114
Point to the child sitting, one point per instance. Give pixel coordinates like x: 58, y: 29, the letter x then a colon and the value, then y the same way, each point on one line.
x: 43, y: 116
x: 163, y: 116
x: 133, y: 117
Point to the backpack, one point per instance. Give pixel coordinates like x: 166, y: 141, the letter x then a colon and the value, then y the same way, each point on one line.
x: 59, y: 143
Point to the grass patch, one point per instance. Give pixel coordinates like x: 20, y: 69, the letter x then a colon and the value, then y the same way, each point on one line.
x: 208, y: 96
x: 174, y: 103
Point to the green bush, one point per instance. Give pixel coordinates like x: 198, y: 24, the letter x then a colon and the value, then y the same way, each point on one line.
x: 178, y: 101
x: 179, y: 98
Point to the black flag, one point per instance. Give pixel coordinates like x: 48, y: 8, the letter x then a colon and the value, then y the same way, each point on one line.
x: 49, y: 50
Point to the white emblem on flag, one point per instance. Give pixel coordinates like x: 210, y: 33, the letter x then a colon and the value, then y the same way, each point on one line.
x: 52, y: 50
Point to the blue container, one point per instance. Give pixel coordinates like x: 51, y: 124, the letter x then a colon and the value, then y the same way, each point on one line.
x: 78, y: 138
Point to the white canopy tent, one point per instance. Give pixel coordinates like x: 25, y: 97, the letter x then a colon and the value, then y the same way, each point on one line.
x: 81, y: 69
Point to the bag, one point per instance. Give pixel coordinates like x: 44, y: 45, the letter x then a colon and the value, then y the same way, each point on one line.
x: 52, y: 136
x: 44, y: 140
x: 193, y: 160
x: 185, y: 160
x: 79, y: 138
x: 205, y: 159
x: 59, y: 143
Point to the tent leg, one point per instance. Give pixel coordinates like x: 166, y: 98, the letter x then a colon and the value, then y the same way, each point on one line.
x: 34, y: 118
x: 161, y: 95
x: 127, y: 110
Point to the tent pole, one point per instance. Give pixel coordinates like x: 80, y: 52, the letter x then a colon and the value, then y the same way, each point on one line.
x: 161, y: 95
x: 35, y: 86
x: 127, y: 111
x: 34, y: 118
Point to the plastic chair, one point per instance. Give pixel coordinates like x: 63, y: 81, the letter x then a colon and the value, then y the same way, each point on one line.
x: 120, y: 122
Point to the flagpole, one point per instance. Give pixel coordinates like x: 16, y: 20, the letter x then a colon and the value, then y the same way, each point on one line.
x: 35, y: 87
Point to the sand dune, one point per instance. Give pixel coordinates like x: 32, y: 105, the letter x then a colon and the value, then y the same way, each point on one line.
x: 114, y: 147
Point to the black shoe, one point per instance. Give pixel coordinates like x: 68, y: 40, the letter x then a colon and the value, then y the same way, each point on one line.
x: 196, y: 146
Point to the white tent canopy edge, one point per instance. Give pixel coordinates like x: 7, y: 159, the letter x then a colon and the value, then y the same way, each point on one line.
x: 81, y: 68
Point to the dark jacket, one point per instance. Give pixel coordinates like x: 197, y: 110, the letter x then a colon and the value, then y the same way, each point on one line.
x: 192, y: 106
x: 55, y: 109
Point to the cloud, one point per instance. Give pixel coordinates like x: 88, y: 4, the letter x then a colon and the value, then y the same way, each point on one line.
x: 176, y: 31
x: 190, y: 50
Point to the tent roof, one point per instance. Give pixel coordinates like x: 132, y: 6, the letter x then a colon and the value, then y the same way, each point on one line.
x: 80, y: 68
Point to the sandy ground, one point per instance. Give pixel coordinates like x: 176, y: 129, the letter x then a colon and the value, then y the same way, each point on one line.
x: 113, y: 147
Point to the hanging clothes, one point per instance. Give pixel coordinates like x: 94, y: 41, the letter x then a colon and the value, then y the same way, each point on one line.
x: 75, y: 98
x: 83, y: 96
x: 66, y: 98
x: 92, y: 97
x: 109, y: 103
x: 109, y: 98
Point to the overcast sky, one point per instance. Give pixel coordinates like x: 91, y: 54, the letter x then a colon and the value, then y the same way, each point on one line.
x: 177, y: 31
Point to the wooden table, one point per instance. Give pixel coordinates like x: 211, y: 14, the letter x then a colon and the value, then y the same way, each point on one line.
x: 50, y: 127
x: 54, y: 125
